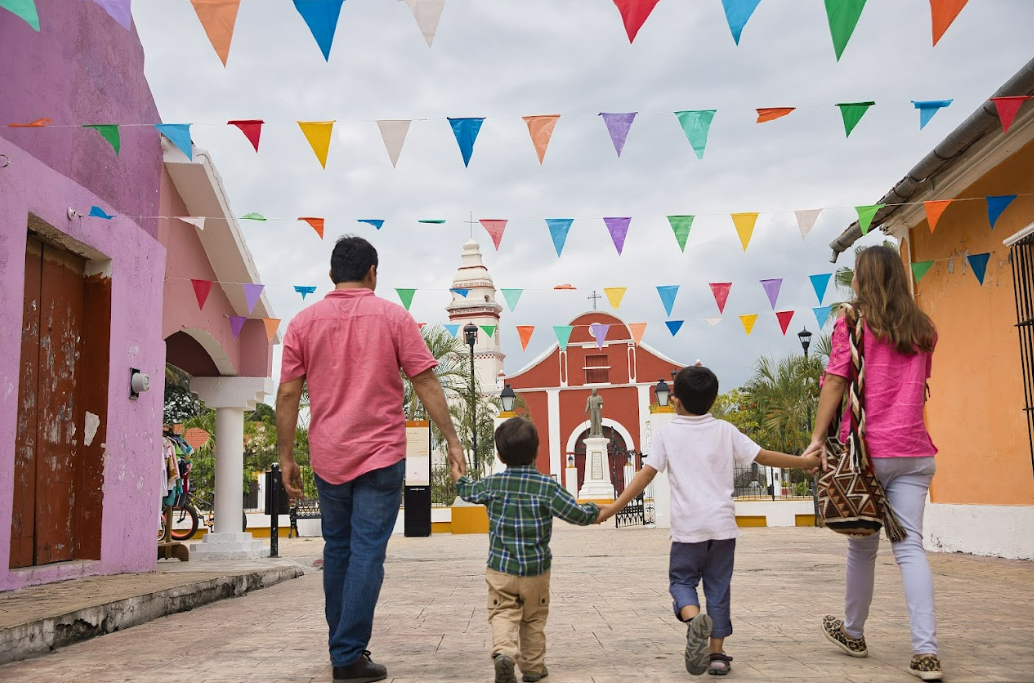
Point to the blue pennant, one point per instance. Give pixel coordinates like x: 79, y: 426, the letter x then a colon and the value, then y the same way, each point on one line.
x: 304, y: 291
x: 466, y: 132
x: 928, y: 108
x: 668, y: 294
x: 558, y: 229
x: 821, y: 284
x: 321, y: 17
x: 674, y: 326
x: 738, y: 13
x: 822, y: 315
x: 979, y: 264
x: 996, y: 205
x: 179, y: 135
x: 461, y: 292
x: 375, y: 222
x: 452, y: 329
x: 98, y: 212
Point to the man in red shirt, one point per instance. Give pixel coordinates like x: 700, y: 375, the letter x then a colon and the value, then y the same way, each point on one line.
x: 349, y: 349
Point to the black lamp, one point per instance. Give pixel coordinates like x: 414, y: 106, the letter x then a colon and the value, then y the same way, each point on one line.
x: 663, y: 392
x: 470, y: 333
x: 508, y: 398
x: 805, y: 337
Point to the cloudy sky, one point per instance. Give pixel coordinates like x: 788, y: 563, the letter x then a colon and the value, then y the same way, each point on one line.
x: 504, y: 60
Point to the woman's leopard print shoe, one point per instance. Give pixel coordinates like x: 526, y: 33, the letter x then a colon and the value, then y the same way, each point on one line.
x: 833, y: 628
x: 926, y: 667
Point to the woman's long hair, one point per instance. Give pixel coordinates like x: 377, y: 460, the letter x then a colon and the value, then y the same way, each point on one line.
x: 886, y: 303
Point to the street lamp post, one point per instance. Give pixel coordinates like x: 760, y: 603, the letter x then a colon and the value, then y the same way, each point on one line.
x: 663, y: 392
x: 507, y: 397
x: 470, y: 334
x: 805, y: 337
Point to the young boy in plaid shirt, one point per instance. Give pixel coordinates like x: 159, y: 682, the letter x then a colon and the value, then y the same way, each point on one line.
x: 521, y: 505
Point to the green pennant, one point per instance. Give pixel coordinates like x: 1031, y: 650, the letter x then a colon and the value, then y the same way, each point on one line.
x: 253, y: 216
x: 512, y: 296
x: 843, y: 17
x: 563, y: 335
x: 865, y: 216
x: 489, y: 330
x: 919, y: 269
x: 853, y: 113
x: 406, y: 295
x: 681, y: 225
x: 696, y: 125
x: 432, y: 221
x: 23, y: 9
x: 109, y: 132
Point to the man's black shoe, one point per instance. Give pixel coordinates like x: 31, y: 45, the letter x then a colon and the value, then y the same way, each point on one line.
x: 361, y: 671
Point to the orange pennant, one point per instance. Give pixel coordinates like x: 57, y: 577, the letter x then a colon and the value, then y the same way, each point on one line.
x: 218, y: 17
x: 944, y: 12
x: 637, y: 331
x: 38, y: 123
x: 773, y: 113
x: 541, y: 130
x: 525, y: 332
x: 934, y: 211
x: 271, y: 326
x: 316, y: 223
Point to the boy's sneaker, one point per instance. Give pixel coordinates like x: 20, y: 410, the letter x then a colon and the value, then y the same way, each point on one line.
x: 926, y: 667
x: 504, y: 669
x: 834, y: 630
x: 361, y: 671
x: 697, y: 636
x: 534, y: 678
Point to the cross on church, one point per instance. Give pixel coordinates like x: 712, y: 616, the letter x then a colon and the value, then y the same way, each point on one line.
x: 594, y: 297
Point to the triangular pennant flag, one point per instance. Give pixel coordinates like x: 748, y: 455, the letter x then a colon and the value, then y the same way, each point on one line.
x: 806, y: 220
x: 772, y: 288
x: 271, y: 327
x: 927, y: 108
x: 674, y: 326
x: 218, y: 18
x: 615, y: 295
x: 943, y: 12
x: 558, y: 229
x: 820, y: 283
x: 24, y: 10
x: 119, y: 10
x: 375, y: 222
x: 979, y: 264
x: 427, y: 14
x: 996, y: 205
x: 541, y: 130
x: 772, y: 113
x: 637, y: 330
x: 745, y: 223
x: 599, y: 333
x: 668, y: 294
x: 681, y: 225
x: 38, y: 123
x: 748, y: 322
x: 197, y: 221
x: 618, y: 228
x: 394, y: 135
x: 721, y: 294
x: 737, y: 13
x: 304, y: 290
x: 634, y: 14
x: 179, y: 135
x: 495, y: 230
x: 98, y: 212
x: 696, y: 125
x: 316, y: 223
x: 318, y: 134
x: 253, y: 216
x: 460, y: 292
x: 852, y: 112
x: 488, y: 329
x: 432, y: 221
x: 512, y: 296
x: 525, y: 332
x: 252, y: 292
x: 618, y: 126
x: 934, y: 210
x: 866, y: 214
x: 321, y: 17
x: 822, y: 315
x: 563, y: 335
x: 1007, y: 108
x: 421, y: 326
x: 466, y: 132
x: 109, y: 132
x: 252, y: 129
x: 452, y: 329
x: 201, y: 290
x: 713, y: 321
x: 920, y: 269
x: 784, y: 320
x: 236, y: 323
x: 843, y: 17
x: 406, y: 295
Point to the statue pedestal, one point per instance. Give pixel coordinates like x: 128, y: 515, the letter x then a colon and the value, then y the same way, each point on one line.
x: 597, y: 486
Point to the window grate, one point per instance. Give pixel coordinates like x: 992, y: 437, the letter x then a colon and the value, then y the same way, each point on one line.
x: 1022, y: 257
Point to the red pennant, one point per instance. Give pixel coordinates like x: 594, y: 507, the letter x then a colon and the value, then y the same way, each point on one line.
x: 201, y: 290
x: 784, y: 320
x: 252, y: 129
x: 635, y: 13
x: 721, y: 294
x: 495, y: 228
x: 1008, y: 107
x: 420, y: 326
x: 944, y: 12
x: 316, y: 223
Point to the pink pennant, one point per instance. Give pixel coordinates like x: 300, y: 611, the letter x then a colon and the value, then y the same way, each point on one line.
x: 252, y: 294
x: 634, y: 13
x: 599, y: 333
x: 236, y: 323
x: 1008, y: 108
x: 618, y: 228
x: 721, y: 294
x: 784, y: 320
x: 495, y: 229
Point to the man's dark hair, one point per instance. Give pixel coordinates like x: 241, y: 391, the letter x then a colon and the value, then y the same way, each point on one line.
x: 352, y: 259
x: 517, y: 441
x: 696, y: 388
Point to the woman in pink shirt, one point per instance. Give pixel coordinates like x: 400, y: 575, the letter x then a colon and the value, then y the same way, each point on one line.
x: 898, y: 343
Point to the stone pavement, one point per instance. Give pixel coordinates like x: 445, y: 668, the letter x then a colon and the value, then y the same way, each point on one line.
x: 610, y: 619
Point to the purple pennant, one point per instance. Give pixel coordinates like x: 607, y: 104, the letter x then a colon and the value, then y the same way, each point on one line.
x: 236, y: 323
x: 252, y: 294
x: 119, y: 10
x: 599, y: 333
x: 618, y: 125
x: 772, y: 290
x: 618, y: 231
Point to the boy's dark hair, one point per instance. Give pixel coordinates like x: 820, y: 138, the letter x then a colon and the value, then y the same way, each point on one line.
x: 517, y: 441
x: 696, y: 388
x: 352, y: 259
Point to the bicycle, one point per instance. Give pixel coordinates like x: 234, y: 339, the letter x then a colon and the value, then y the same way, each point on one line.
x: 187, y: 514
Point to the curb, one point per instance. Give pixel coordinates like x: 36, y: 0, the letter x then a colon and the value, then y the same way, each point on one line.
x: 35, y: 638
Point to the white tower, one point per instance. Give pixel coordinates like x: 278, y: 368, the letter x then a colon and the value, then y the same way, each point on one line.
x: 480, y: 308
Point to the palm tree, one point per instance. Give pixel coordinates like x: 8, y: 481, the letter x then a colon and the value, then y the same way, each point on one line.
x: 452, y: 371
x: 845, y: 274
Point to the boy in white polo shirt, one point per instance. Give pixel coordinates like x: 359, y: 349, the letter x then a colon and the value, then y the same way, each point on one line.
x: 700, y: 454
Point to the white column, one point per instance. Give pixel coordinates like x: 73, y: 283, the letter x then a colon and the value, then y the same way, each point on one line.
x: 229, y: 470
x: 661, y: 488
x: 557, y: 457
x: 571, y: 482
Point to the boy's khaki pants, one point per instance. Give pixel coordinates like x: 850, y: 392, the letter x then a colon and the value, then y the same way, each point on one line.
x: 517, y: 610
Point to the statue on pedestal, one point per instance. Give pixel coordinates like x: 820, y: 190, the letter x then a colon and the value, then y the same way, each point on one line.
x: 594, y: 407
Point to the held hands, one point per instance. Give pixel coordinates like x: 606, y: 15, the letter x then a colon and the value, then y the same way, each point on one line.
x: 457, y: 461
x: 606, y: 512
x: 816, y: 451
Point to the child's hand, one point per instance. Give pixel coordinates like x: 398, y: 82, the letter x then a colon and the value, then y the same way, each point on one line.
x: 605, y: 514
x: 810, y: 463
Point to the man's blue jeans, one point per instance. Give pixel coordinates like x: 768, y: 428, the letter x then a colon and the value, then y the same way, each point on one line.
x: 358, y: 517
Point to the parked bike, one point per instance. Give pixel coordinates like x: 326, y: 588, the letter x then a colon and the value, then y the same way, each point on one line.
x: 187, y: 514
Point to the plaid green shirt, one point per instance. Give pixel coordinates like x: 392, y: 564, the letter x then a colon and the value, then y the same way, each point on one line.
x: 521, y: 505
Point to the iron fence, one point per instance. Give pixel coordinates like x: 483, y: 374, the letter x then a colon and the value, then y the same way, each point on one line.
x: 766, y: 483
x: 1021, y: 253
x: 639, y: 512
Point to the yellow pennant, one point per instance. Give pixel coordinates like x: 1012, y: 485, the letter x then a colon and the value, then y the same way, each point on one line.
x: 318, y: 134
x: 748, y: 322
x: 615, y: 295
x: 745, y: 227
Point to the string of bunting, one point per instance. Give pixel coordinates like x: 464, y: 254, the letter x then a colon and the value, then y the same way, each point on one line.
x: 219, y: 18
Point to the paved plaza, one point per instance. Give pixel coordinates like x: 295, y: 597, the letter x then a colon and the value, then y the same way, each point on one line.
x: 610, y: 619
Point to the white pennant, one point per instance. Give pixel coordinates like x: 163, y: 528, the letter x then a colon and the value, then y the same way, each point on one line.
x: 806, y: 220
x: 427, y: 14
x: 394, y: 135
x: 198, y: 223
x: 713, y: 321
